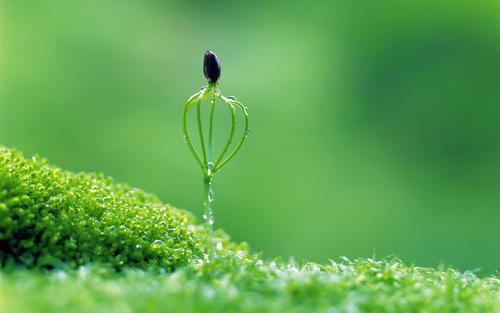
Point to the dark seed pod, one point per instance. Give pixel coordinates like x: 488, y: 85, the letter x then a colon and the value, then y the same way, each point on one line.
x: 211, y: 67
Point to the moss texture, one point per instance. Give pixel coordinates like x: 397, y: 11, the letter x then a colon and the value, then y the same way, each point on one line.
x: 252, y: 286
x: 53, y: 218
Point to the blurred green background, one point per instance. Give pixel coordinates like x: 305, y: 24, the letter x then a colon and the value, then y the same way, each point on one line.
x: 375, y: 126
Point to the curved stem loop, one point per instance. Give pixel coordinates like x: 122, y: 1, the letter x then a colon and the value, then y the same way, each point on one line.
x: 206, y: 161
x: 196, y: 98
x: 231, y: 102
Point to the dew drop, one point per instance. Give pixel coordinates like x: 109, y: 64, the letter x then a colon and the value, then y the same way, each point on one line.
x: 157, y: 243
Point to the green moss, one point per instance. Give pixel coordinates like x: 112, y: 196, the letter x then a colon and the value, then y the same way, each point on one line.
x: 50, y: 217
x: 232, y: 285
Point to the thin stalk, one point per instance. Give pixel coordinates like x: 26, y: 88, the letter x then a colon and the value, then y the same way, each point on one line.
x: 211, y: 124
x: 189, y: 103
x: 231, y: 135
x: 208, y: 215
x: 200, y: 130
x: 208, y: 194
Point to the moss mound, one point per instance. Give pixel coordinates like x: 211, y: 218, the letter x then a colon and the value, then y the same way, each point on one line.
x: 50, y: 217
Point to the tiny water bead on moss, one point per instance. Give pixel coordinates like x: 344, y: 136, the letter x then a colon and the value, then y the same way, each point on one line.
x: 208, y: 163
x: 50, y: 217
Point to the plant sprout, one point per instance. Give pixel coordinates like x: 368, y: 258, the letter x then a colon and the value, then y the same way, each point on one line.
x: 209, y: 163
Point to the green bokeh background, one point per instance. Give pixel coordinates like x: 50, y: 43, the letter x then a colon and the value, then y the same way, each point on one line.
x: 375, y: 126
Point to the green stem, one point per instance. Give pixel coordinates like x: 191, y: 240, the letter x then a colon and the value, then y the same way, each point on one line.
x: 211, y: 124
x: 206, y: 164
x: 200, y: 130
x: 231, y: 135
x: 208, y: 215
x: 245, y: 131
x: 195, y: 98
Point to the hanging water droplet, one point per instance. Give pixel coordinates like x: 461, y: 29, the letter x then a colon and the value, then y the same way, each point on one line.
x: 205, y: 217
x: 210, y: 196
